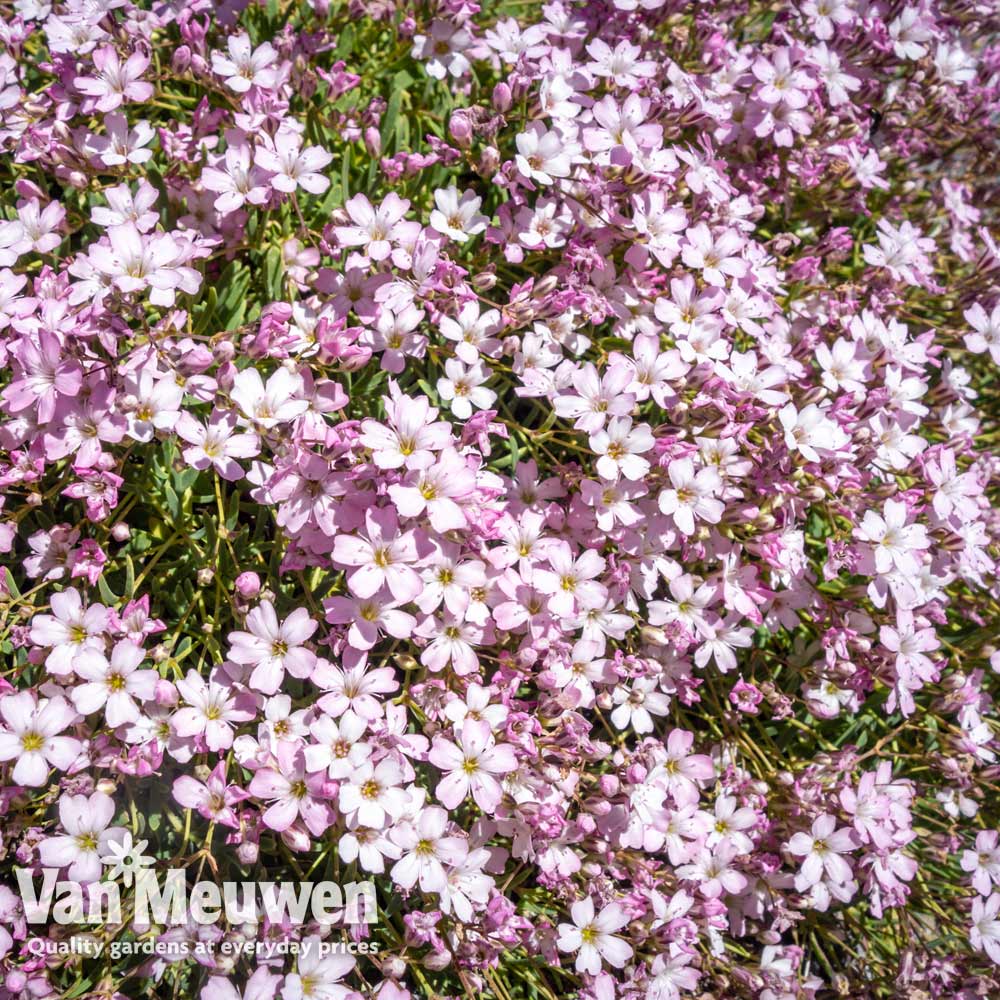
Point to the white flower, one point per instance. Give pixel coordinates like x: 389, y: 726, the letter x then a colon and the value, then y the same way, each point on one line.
x: 462, y: 388
x: 457, y: 217
x: 245, y: 67
x: 593, y: 936
x: 543, y: 156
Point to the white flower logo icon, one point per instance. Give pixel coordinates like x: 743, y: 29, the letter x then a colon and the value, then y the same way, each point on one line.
x: 126, y: 859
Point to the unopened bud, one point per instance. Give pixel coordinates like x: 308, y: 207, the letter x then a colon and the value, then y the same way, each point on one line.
x: 502, y: 97
x: 460, y: 129
x: 248, y: 585
x: 489, y: 161
x: 247, y: 852
x: 546, y: 285
x: 373, y: 141
x: 653, y: 635
x: 223, y: 351
x: 394, y: 967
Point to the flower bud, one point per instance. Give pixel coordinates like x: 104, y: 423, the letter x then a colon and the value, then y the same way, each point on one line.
x: 223, y: 351
x: 165, y: 693
x: 460, y: 129
x: 489, y: 161
x: 248, y: 585
x: 502, y: 97
x: 247, y: 852
x: 439, y: 961
x: 394, y: 967
x: 373, y: 141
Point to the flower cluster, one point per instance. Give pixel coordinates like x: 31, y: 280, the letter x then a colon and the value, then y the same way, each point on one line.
x: 542, y: 459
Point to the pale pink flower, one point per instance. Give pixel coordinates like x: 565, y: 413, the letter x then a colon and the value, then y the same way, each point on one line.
x: 821, y: 850
x: 245, y: 66
x: 318, y: 974
x: 218, y: 445
x: 426, y: 850
x: 115, y: 81
x: 592, y: 936
x: 470, y: 764
x: 272, y: 647
x: 292, y: 792
x: 32, y: 737
x: 213, y: 799
x: 382, y: 558
x: 114, y: 684
x: 292, y: 166
x: 69, y: 630
x: 85, y: 819
x: 374, y: 229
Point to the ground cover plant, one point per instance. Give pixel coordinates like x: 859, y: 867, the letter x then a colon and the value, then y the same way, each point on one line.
x: 539, y: 457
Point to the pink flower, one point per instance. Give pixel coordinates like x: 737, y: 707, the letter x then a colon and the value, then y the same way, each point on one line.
x: 368, y: 618
x: 437, y: 491
x: 292, y: 792
x: 592, y: 936
x: 245, y: 67
x: 470, y: 764
x: 318, y: 974
x: 236, y: 179
x: 268, y: 406
x: 272, y: 647
x: 213, y: 798
x: 262, y: 985
x: 372, y: 794
x: 80, y: 849
x: 712, y: 869
x: 425, y: 851
x: 353, y: 688
x: 338, y: 749
x: 620, y: 446
x: 116, y: 81
x: 113, y: 685
x: 985, y: 931
x: 217, y: 446
x: 292, y: 166
x: 692, y: 495
x: 411, y: 436
x: 32, y: 737
x: 374, y: 229
x: 69, y: 631
x: 822, y: 851
x: 212, y: 712
x: 894, y: 543
x: 717, y: 257
x: 382, y: 559
x: 46, y: 375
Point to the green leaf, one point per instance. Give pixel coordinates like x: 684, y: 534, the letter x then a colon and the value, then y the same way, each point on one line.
x: 205, y: 315
x: 107, y: 595
x: 274, y: 273
x: 233, y: 511
x: 345, y: 44
x: 173, y: 501
x: 234, y: 283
